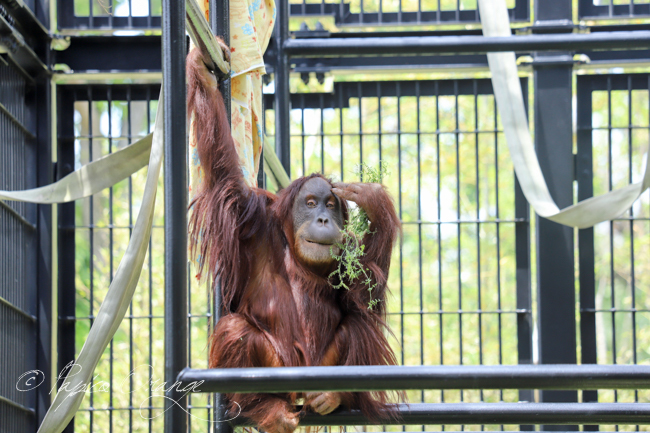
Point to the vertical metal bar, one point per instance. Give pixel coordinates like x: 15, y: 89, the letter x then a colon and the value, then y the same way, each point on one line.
x: 399, y: 13
x: 111, y: 13
x: 439, y: 234
x: 66, y: 239
x: 458, y: 232
x: 189, y: 341
x: 361, y: 12
x: 498, y: 230
x: 478, y: 228
x: 420, y: 278
x: 131, y: 365
x: 220, y: 24
x: 360, y: 93
x: 632, y: 270
x: 523, y: 278
x: 302, y: 134
x: 586, y: 251
x: 399, y: 210
x: 91, y: 22
x: 44, y: 176
x: 109, y: 105
x: 631, y: 224
x: 341, y: 136
x: 612, y: 275
x: 282, y: 92
x: 379, y: 117
x: 322, y: 134
x: 150, y: 378
x: 555, y: 249
x: 175, y: 169
x: 91, y: 234
x: 555, y: 243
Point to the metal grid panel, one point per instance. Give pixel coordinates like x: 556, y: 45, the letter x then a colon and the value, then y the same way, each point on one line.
x: 105, y: 119
x: 455, y: 294
x: 18, y: 237
x: 401, y: 12
x: 596, y: 9
x: 115, y: 14
x: 614, y: 131
x: 109, y: 14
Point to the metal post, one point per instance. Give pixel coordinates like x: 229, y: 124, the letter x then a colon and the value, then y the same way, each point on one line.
x: 66, y: 240
x: 175, y: 169
x: 524, y: 295
x: 220, y: 24
x: 555, y: 248
x: 44, y: 265
x: 282, y: 92
x: 586, y: 253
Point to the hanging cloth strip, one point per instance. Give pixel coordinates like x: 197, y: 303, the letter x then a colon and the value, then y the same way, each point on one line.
x: 251, y: 27
x: 91, y: 178
x: 510, y: 103
x: 120, y: 292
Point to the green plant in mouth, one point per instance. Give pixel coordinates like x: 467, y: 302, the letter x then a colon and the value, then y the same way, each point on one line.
x: 350, y: 270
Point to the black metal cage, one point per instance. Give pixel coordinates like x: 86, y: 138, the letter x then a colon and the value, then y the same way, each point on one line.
x: 487, y: 298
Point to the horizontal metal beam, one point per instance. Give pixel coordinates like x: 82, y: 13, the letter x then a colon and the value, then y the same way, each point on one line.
x: 27, y: 22
x: 112, y: 53
x: 363, y: 378
x: 335, y: 46
x: 14, y: 44
x: 491, y: 413
x: 140, y: 53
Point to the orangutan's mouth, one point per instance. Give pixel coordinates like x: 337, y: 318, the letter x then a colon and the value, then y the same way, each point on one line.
x: 319, y: 243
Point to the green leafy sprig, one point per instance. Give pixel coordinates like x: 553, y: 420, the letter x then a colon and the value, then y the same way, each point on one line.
x: 350, y: 269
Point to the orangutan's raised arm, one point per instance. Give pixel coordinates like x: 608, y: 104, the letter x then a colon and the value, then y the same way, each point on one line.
x: 226, y: 214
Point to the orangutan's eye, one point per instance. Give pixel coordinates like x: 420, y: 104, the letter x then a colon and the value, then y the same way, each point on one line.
x: 330, y: 205
x: 311, y: 203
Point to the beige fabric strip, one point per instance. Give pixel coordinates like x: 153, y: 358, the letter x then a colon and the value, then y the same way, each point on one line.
x: 117, y: 300
x: 91, y: 178
x: 510, y: 103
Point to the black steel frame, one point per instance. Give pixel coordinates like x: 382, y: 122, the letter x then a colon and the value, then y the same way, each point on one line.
x: 306, y: 53
x: 25, y: 229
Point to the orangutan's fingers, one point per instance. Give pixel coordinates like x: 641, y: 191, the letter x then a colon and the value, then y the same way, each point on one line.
x: 225, y: 48
x: 345, y: 194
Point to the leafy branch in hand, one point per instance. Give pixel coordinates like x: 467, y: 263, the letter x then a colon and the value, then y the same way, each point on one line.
x: 350, y: 269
